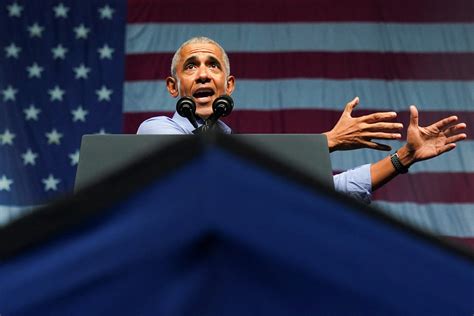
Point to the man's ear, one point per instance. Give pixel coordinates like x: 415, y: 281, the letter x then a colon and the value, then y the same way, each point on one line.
x: 172, y: 86
x: 230, y: 85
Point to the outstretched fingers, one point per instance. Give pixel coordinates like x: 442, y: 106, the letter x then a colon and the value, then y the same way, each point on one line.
x: 455, y: 129
x: 384, y: 126
x: 454, y: 133
x: 381, y: 135
x: 378, y: 117
x: 456, y: 138
x: 446, y: 148
x: 351, y: 105
x: 442, y: 124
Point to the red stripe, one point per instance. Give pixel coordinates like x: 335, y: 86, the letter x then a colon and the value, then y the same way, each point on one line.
x: 247, y: 121
x: 464, y: 241
x: 205, y: 11
x: 328, y: 65
x: 298, y: 121
x: 429, y: 188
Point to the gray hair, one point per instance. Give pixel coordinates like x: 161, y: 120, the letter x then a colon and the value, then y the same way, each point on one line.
x: 199, y: 40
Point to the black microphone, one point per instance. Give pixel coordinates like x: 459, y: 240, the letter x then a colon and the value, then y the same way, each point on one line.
x: 222, y: 106
x: 186, y: 107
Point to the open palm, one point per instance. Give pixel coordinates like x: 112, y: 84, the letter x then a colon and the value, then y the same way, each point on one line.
x: 435, y: 139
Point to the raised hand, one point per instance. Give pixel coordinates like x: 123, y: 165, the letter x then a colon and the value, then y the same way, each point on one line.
x: 358, y: 132
x: 430, y: 141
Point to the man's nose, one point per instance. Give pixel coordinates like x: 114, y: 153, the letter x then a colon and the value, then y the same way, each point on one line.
x: 203, y: 74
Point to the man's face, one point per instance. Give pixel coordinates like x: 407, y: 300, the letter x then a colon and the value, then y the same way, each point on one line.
x: 201, y: 74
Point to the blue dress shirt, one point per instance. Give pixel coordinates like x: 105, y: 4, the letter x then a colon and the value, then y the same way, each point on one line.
x: 354, y: 182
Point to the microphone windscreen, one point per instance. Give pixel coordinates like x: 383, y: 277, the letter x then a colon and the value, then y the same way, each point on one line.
x: 185, y: 105
x: 223, y: 105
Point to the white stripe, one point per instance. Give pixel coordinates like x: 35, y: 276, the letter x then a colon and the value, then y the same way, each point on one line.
x: 145, y: 96
x: 9, y: 213
x: 338, y: 37
x: 455, y: 220
x: 458, y: 160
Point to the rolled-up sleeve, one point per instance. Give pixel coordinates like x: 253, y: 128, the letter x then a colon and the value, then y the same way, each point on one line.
x: 356, y: 183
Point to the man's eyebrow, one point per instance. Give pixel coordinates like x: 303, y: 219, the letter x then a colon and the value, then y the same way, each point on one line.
x: 189, y: 59
x: 214, y: 60
x: 211, y: 59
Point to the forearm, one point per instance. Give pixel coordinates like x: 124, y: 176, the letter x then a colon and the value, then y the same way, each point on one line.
x: 383, y: 170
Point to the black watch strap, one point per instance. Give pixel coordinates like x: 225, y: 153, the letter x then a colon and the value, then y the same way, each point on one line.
x: 397, y: 163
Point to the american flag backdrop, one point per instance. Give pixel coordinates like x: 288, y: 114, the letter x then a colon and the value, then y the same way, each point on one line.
x: 297, y: 64
x: 61, y: 76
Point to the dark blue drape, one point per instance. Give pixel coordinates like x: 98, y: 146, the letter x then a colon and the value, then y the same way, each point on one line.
x: 222, y: 236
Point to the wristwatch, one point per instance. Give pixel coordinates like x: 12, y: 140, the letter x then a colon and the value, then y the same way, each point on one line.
x: 397, y: 163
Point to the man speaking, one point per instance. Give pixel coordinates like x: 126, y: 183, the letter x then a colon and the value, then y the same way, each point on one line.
x: 201, y: 69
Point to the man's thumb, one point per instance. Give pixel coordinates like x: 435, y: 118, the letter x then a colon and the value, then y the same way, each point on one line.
x: 413, y: 115
x: 351, y: 105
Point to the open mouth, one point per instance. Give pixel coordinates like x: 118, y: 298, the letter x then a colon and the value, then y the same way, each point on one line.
x: 203, y: 94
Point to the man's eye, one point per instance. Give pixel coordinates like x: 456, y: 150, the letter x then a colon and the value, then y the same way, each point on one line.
x: 214, y: 65
x: 190, y: 66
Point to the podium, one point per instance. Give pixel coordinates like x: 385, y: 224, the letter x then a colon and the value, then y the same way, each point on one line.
x: 213, y: 226
x: 103, y: 154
